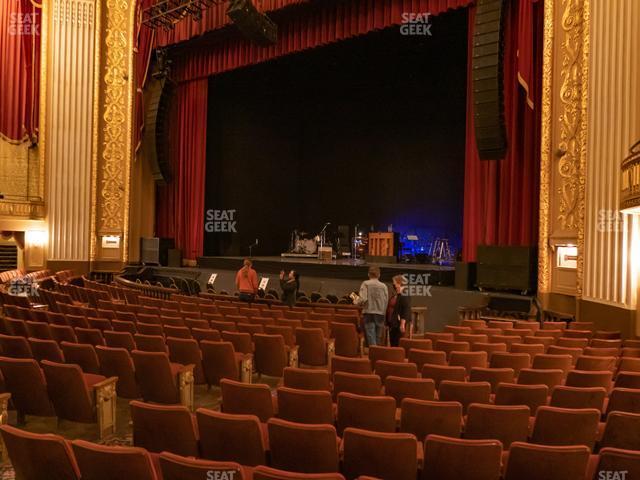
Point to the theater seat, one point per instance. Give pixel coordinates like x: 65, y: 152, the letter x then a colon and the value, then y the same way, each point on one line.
x: 271, y: 355
x: 37, y: 456
x: 24, y: 379
x: 624, y: 400
x: 15, y: 346
x: 418, y: 388
x: 613, y: 461
x: 360, y: 384
x: 81, y: 354
x: 439, y: 373
x: 464, y: 392
x: 307, y: 379
x: 403, y: 369
x: 305, y: 406
x: 100, y: 462
x: 303, y: 448
x: 347, y: 341
x: 176, y: 467
x: 533, y: 396
x: 536, y: 462
x: 350, y: 365
x: 422, y: 357
x: 455, y: 459
x: 500, y: 422
x: 564, y: 426
x: 220, y: 360
x: 164, y: 428
x: 622, y: 430
x: 422, y: 418
x: 46, y: 350
x: 267, y: 473
x: 186, y: 351
x: 366, y: 412
x: 314, y: 349
x: 247, y: 399
x: 117, y: 362
x: 161, y: 381
x: 389, y: 354
x: 578, y: 397
x: 232, y: 437
x: 81, y: 397
x: 364, y: 454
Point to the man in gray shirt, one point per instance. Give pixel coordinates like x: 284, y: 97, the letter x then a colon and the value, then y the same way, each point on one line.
x: 373, y: 296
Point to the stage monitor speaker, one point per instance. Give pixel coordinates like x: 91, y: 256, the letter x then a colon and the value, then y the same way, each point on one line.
x: 165, y: 245
x: 150, y: 251
x: 174, y: 257
x: 160, y: 94
x: 487, y: 71
x: 256, y: 26
x: 507, y: 268
x: 465, y: 275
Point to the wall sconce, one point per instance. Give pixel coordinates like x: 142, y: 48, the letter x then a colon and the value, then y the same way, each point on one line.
x: 35, y: 238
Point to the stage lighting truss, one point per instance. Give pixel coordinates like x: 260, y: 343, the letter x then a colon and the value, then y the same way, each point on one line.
x: 166, y: 13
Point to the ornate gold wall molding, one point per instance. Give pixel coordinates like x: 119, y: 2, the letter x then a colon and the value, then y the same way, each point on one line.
x: 113, y: 138
x: 564, y: 123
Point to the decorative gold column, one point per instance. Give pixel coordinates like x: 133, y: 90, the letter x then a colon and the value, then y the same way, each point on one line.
x: 113, y: 134
x: 563, y: 149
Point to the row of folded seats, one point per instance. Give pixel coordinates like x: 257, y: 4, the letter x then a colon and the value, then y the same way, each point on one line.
x: 65, y: 304
x: 169, y: 443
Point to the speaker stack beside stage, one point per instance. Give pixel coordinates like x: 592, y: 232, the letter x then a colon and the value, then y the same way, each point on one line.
x: 487, y: 72
x: 507, y: 268
x: 160, y: 92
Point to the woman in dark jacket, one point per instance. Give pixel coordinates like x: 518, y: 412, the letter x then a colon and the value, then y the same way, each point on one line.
x: 289, y: 286
x: 399, y: 320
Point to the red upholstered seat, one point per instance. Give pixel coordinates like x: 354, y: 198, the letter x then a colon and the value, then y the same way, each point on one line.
x: 448, y: 458
x: 268, y: 473
x: 176, y: 467
x: 305, y: 406
x: 500, y: 422
x: 535, y: 462
x: 39, y: 456
x: 564, y: 426
x: 423, y: 418
x: 247, y: 399
x: 100, y: 462
x: 24, y: 379
x: 156, y: 377
x: 117, y: 362
x: 83, y: 355
x: 533, y: 396
x: 160, y: 428
x: 376, y: 413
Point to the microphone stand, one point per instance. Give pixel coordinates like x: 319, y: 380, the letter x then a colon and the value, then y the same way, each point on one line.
x: 251, y: 247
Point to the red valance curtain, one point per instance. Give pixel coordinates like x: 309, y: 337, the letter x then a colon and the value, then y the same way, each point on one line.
x: 501, y: 196
x: 20, y: 23
x: 305, y: 29
x: 375, y: 14
x: 180, y: 204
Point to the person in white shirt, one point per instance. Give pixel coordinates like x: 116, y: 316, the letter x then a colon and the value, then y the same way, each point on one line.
x: 373, y: 296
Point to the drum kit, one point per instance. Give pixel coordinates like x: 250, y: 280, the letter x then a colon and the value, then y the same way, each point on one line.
x: 304, y: 243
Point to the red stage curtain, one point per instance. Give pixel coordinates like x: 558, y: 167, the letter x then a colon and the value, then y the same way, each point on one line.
x: 145, y: 38
x: 20, y: 23
x: 180, y: 205
x: 303, y: 29
x: 501, y: 196
x: 361, y: 14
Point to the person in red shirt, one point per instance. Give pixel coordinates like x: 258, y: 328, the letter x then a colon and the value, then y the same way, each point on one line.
x: 247, y: 281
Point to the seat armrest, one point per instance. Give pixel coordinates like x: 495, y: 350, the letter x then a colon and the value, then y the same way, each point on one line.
x: 4, y: 419
x: 246, y: 368
x: 185, y: 385
x: 331, y: 351
x: 105, y: 402
x: 293, y: 356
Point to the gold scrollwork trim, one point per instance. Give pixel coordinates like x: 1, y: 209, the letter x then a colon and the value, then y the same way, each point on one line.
x: 544, y: 269
x: 570, y: 171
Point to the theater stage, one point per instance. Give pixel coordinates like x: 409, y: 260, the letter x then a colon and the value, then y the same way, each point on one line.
x: 340, y: 269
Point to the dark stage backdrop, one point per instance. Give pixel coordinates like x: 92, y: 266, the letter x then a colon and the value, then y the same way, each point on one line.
x: 369, y: 131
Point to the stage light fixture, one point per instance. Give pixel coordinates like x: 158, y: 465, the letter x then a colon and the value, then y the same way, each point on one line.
x: 166, y: 13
